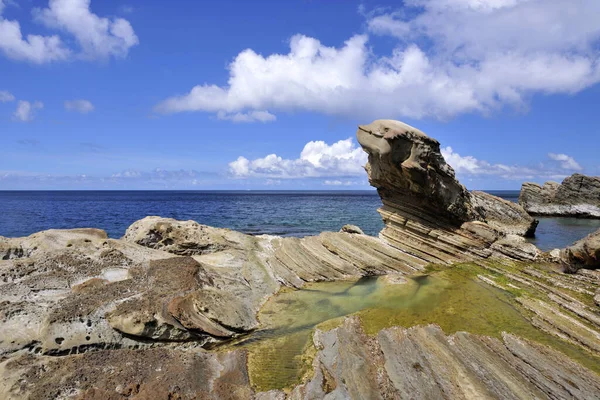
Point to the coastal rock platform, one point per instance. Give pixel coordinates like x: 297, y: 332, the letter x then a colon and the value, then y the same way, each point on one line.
x: 148, y: 316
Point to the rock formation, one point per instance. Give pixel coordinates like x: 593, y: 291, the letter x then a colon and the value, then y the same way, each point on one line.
x: 426, y: 211
x: 584, y: 253
x: 577, y: 196
x: 424, y: 363
x: 168, y: 292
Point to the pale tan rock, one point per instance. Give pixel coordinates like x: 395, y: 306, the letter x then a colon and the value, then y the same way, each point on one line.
x: 184, y: 238
x: 426, y: 211
x: 352, y: 229
x: 584, y: 253
x: 423, y: 363
x: 168, y: 288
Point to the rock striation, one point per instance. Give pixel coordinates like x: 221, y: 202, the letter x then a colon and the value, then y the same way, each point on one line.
x: 423, y: 363
x: 577, y: 196
x: 87, y: 316
x: 426, y: 211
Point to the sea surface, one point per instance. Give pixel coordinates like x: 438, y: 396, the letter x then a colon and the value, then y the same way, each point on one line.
x: 285, y: 213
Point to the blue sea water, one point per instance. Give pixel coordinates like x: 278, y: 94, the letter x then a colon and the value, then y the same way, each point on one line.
x: 282, y: 213
x: 285, y: 213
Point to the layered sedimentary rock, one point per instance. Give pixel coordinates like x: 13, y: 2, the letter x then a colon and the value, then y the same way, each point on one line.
x: 86, y: 316
x: 577, y: 196
x: 584, y: 253
x: 70, y: 291
x: 419, y: 363
x: 424, y: 363
x: 426, y: 211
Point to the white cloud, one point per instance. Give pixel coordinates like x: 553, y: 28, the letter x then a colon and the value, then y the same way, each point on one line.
x: 566, y: 162
x: 5, y: 96
x: 34, y: 48
x: 317, y: 159
x: 25, y: 111
x: 337, y: 182
x: 470, y: 166
x: 97, y: 37
x: 251, y: 116
x: 81, y: 106
x: 451, y: 57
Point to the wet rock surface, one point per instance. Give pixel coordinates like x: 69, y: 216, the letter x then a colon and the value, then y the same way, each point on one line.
x: 577, y: 196
x: 85, y: 316
x: 423, y: 363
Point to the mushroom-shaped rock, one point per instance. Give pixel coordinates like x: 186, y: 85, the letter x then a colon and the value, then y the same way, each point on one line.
x: 427, y: 212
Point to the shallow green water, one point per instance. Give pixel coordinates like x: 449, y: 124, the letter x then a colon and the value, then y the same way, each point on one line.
x: 453, y: 299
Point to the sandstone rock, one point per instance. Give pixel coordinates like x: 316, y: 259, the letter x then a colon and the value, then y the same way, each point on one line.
x: 352, y: 229
x: 184, y: 238
x: 515, y: 247
x: 578, y: 196
x: 426, y: 211
x: 584, y: 253
x: 423, y: 363
x: 169, y: 290
x: 503, y: 215
x: 138, y: 374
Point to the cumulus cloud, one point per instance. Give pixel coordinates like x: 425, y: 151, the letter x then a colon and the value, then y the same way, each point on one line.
x: 96, y: 36
x: 451, y: 57
x: 566, y: 162
x: 6, y: 97
x: 317, y: 159
x: 25, y: 111
x: 251, y: 116
x: 470, y: 166
x: 33, y: 48
x: 80, y: 106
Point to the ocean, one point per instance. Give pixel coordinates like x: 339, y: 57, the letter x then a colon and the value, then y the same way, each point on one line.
x: 284, y: 213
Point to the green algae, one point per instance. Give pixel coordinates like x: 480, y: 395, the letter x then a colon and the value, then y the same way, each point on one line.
x: 280, y: 354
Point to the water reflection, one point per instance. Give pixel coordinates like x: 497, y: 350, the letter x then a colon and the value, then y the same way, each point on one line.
x: 454, y: 299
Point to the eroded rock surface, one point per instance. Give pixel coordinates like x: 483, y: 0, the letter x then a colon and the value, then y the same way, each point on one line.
x: 86, y: 316
x: 577, y: 196
x: 584, y: 253
x: 424, y: 363
x: 426, y: 211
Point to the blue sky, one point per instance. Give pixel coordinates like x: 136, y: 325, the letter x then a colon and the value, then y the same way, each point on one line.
x: 268, y: 94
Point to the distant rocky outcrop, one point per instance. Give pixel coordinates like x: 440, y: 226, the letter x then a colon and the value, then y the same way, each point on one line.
x: 577, y: 196
x: 426, y: 211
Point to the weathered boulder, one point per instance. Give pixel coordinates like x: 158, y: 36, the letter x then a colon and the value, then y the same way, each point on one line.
x: 427, y: 212
x: 184, y: 238
x: 577, y: 196
x: 503, y: 215
x: 584, y: 253
x: 352, y: 229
